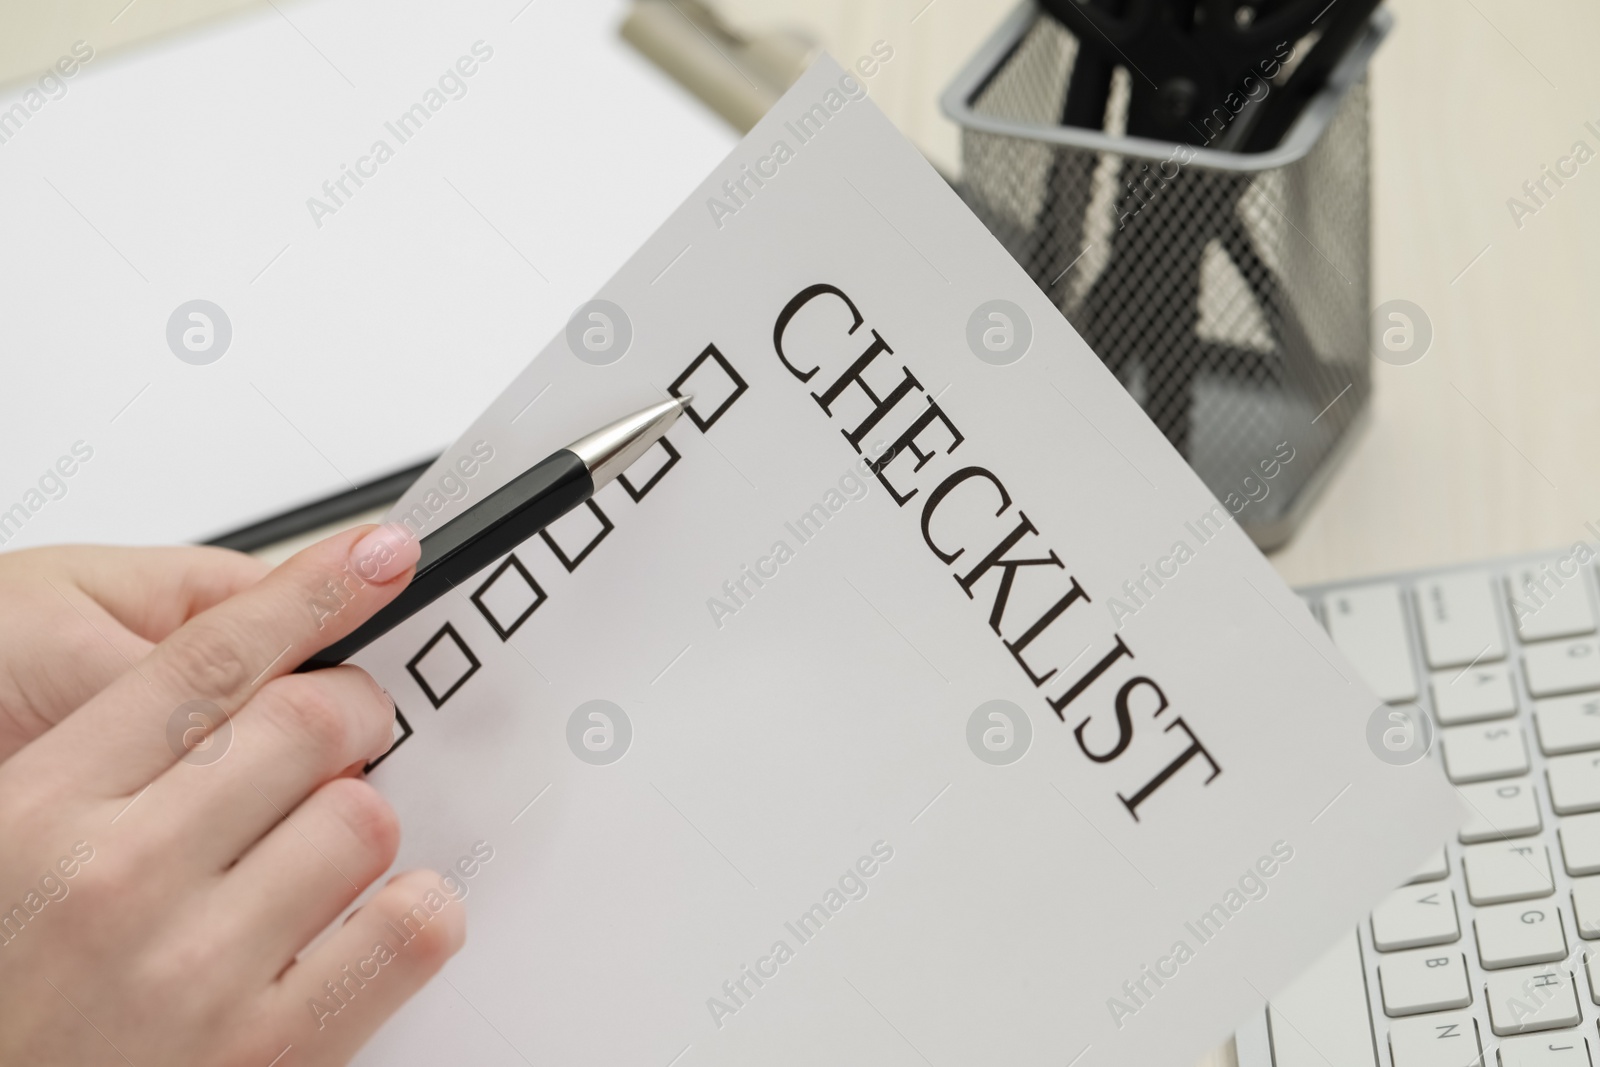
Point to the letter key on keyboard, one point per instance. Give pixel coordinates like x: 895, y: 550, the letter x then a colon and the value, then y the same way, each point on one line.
x: 1369, y: 625
x: 1507, y: 871
x: 1500, y: 810
x: 1478, y: 753
x: 1524, y: 1002
x: 1458, y: 621
x: 1580, y: 843
x: 1586, y: 905
x: 1449, y: 1039
x: 1574, y: 783
x: 1415, y: 915
x: 1515, y: 935
x: 1547, y: 604
x: 1544, y: 1050
x: 1566, y: 667
x: 1423, y: 980
x: 1472, y: 696
x: 1568, y: 724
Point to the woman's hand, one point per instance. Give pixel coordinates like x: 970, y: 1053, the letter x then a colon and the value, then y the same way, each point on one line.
x: 161, y: 874
x: 74, y: 618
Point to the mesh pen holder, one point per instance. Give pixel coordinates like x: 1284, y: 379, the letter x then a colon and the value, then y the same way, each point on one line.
x: 1229, y: 292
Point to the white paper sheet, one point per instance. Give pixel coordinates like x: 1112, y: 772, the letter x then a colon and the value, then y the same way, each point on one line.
x: 362, y: 341
x: 793, y: 833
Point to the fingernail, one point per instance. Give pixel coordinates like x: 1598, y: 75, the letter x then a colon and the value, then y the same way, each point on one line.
x: 385, y: 553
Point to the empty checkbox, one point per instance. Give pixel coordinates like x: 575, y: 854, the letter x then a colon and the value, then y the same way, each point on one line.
x: 648, y: 469
x: 576, y: 534
x: 443, y: 666
x: 713, y: 383
x: 508, y: 597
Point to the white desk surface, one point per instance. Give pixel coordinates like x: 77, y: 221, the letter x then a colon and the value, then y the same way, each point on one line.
x: 1486, y: 446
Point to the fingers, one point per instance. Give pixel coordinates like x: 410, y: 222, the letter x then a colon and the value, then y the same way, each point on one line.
x: 299, y: 731
x: 87, y: 614
x: 299, y: 877
x: 153, y: 591
x: 339, y: 993
x: 63, y: 648
x: 224, y: 655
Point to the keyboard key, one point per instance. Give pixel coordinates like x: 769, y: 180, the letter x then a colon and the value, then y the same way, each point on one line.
x: 1445, y: 1040
x: 1424, y: 980
x: 1433, y: 870
x: 1474, y: 695
x: 1514, y: 935
x: 1580, y: 843
x: 1368, y: 624
x: 1525, y: 1002
x: 1501, y: 873
x: 1544, y: 1050
x: 1574, y: 783
x: 1568, y: 724
x: 1591, y: 964
x: 1458, y: 620
x: 1500, y: 810
x: 1586, y: 907
x: 1567, y: 667
x: 1548, y: 604
x: 1330, y: 1007
x: 1414, y: 916
x: 1478, y: 753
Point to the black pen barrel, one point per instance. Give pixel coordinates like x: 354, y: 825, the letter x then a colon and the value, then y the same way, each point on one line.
x: 470, y: 542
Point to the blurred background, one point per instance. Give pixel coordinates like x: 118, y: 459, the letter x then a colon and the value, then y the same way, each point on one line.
x: 1484, y: 446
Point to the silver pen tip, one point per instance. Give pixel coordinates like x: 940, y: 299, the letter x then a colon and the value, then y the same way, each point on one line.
x: 610, y: 450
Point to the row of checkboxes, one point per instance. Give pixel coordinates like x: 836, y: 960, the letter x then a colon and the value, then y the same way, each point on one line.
x: 510, y: 595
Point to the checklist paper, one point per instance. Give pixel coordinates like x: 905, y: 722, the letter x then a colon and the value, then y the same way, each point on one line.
x: 876, y: 715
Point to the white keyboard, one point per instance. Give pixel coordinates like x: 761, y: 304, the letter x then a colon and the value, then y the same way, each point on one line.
x: 1483, y: 958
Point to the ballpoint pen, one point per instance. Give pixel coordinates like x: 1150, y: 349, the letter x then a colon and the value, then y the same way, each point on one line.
x: 510, y: 515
